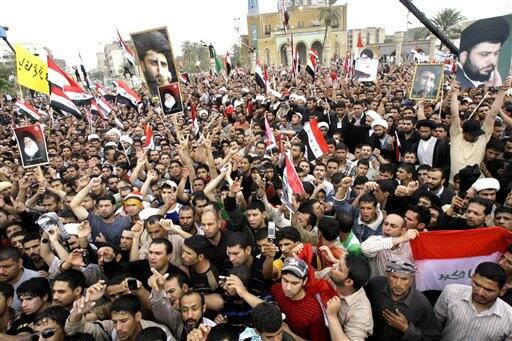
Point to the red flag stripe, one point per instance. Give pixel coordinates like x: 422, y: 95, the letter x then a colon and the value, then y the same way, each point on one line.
x: 460, y: 244
x: 319, y: 137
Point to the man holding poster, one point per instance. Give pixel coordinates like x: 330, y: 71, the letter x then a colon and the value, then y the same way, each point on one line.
x: 32, y: 145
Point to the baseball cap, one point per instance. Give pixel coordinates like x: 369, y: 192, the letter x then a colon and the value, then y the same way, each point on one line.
x: 473, y: 128
x: 296, y: 266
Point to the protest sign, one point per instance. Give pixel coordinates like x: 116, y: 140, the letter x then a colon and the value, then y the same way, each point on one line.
x: 427, y: 81
x: 32, y: 145
x: 31, y: 70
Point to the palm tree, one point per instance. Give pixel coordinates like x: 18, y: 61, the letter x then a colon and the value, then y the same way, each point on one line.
x: 329, y: 16
x: 448, y: 21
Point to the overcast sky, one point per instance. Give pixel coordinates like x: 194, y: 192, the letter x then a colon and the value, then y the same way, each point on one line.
x: 67, y: 27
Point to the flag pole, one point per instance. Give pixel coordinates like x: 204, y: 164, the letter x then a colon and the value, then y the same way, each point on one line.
x: 476, y: 108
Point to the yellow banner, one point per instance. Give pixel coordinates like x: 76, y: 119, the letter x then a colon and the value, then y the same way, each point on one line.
x: 31, y: 70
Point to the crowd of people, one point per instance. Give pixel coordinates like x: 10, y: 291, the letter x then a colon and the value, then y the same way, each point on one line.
x: 187, y: 237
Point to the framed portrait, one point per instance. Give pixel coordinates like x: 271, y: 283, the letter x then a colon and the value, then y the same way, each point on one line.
x: 155, y: 57
x: 366, y: 66
x: 427, y: 81
x: 170, y: 98
x: 32, y: 145
x: 489, y: 37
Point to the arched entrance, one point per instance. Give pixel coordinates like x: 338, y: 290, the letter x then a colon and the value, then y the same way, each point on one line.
x: 318, y: 47
x: 302, y: 50
x: 284, y: 55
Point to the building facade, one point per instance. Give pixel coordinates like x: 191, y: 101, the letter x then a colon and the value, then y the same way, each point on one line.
x: 273, y: 45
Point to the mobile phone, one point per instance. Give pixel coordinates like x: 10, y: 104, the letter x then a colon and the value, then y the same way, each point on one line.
x: 271, y: 230
x: 222, y: 277
x: 132, y: 283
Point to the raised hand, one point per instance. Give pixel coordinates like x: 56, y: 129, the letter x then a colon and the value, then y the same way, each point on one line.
x: 76, y: 258
x: 96, y: 291
x: 333, y: 306
x: 137, y: 229
x: 157, y: 280
x: 167, y: 225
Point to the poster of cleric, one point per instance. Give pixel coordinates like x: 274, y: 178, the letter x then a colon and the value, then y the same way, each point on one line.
x: 485, y: 52
x: 32, y: 145
x: 156, y: 58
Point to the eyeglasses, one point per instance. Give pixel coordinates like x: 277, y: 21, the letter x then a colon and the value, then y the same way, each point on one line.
x: 45, y: 334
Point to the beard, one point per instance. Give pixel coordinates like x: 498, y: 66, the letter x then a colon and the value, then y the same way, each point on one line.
x: 31, y: 150
x: 473, y: 73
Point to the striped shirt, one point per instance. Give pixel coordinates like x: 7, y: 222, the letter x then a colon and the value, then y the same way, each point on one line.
x: 379, y: 250
x: 459, y: 319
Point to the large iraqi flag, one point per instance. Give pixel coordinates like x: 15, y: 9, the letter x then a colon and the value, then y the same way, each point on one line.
x: 450, y: 257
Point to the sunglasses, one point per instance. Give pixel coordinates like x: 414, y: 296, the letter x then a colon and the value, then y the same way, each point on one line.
x: 47, y: 333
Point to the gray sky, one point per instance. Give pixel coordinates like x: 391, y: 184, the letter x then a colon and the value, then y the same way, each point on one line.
x: 67, y: 27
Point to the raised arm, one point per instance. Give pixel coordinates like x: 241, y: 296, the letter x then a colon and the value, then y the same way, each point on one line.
x: 76, y: 204
x: 488, y: 125
x: 454, y: 109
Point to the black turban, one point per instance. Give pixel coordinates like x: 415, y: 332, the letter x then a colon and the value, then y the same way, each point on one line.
x: 494, y: 29
x: 153, y: 40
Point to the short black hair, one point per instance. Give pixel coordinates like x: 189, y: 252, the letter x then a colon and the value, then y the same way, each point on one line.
x: 256, y: 205
x: 106, y: 197
x: 192, y: 293
x: 388, y: 168
x: 127, y: 304
x: 35, y: 287
x: 388, y: 185
x: 6, y: 290
x: 492, y: 271
x: 74, y: 279
x: 266, y: 318
x: 329, y: 227
x: 224, y: 332
x: 288, y: 232
x: 55, y: 313
x: 198, y: 243
x: 482, y: 202
x: 368, y: 198
x: 30, y: 237
x: 165, y: 242
x: 359, y: 270
x: 346, y: 221
x: 239, y: 238
x: 423, y: 213
x: 152, y: 334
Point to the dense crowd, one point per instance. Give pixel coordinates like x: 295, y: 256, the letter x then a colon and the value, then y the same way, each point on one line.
x: 188, y: 238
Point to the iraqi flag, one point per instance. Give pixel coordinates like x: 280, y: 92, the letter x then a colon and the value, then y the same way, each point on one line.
x: 100, y: 89
x: 127, y: 51
x: 60, y: 102
x: 193, y: 116
x: 258, y: 74
x: 126, y: 95
x: 149, y: 143
x: 312, y: 62
x: 77, y: 95
x: 359, y: 41
x: 291, y: 183
x: 227, y: 63
x: 314, y: 140
x: 450, y: 257
x: 27, y: 110
x: 56, y: 76
x: 295, y: 59
x: 271, y: 140
x: 101, y: 107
